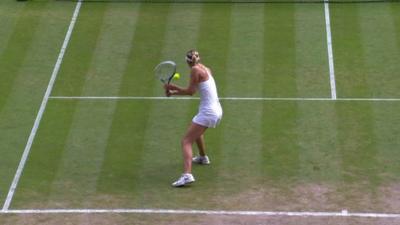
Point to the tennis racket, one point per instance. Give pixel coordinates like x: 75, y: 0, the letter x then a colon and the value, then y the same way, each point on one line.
x: 165, y: 71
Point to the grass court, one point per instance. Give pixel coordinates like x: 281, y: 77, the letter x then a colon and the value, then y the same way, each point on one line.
x: 105, y: 141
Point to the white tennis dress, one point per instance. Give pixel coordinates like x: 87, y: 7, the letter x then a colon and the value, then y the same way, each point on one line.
x: 210, y: 110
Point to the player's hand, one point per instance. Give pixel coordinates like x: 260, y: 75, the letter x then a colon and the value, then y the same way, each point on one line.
x: 166, y: 86
x: 167, y: 90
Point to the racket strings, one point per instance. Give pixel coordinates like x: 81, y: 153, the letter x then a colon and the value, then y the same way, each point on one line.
x: 165, y: 70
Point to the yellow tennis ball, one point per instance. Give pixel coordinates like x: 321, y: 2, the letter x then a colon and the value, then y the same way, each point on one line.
x: 177, y: 76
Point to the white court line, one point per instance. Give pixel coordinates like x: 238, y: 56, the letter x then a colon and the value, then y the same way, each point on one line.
x: 330, y: 51
x: 343, y: 213
x: 41, y: 110
x: 222, y: 98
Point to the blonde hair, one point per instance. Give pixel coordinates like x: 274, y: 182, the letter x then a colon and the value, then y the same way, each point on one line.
x: 192, y: 56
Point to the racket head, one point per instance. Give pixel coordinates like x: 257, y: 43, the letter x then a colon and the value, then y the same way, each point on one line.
x: 165, y: 71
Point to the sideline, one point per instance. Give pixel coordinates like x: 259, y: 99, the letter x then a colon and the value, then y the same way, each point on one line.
x: 42, y: 108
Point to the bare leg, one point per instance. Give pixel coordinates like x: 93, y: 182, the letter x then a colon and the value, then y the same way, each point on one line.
x: 194, y: 132
x: 201, y: 145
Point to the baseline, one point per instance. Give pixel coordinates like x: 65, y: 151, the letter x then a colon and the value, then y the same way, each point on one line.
x: 343, y: 213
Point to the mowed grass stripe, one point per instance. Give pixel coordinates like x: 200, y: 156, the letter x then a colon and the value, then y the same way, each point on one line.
x: 145, y: 53
x: 382, y: 51
x: 386, y: 131
x: 126, y: 141
x: 245, y: 57
x: 280, y: 51
x: 75, y: 66
x: 84, y: 151
x: 241, y: 127
x: 111, y: 55
x: 30, y: 82
x: 13, y: 56
x: 166, y: 122
x: 357, y: 144
x: 281, y: 156
x: 79, y: 55
x: 312, y: 69
x: 317, y: 142
x: 75, y: 183
x: 9, y: 12
x: 214, y: 40
x: 391, y: 140
x: 351, y: 76
x: 319, y: 158
x: 280, y: 137
x: 395, y: 8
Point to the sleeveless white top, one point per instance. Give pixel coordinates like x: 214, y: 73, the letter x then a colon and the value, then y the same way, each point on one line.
x: 209, y: 102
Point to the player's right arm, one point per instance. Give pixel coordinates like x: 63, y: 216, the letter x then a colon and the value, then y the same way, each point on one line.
x: 172, y: 89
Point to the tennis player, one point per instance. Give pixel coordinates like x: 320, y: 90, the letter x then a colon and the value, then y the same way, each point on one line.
x: 209, y: 115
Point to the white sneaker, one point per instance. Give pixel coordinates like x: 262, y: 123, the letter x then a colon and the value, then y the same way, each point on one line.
x: 204, y: 160
x: 186, y: 178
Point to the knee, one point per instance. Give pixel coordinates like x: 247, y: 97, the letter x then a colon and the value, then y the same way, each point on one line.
x: 186, y: 141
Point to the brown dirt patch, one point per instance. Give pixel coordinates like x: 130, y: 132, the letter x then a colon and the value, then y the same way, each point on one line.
x: 299, y: 197
x: 390, y: 197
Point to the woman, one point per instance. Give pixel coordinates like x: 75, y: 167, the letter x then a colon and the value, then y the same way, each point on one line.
x: 209, y: 115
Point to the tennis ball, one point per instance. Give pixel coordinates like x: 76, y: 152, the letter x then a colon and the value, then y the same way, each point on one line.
x: 177, y: 76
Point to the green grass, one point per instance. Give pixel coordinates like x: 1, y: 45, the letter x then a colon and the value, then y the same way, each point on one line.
x: 31, y: 36
x: 366, y: 49
x: 266, y: 155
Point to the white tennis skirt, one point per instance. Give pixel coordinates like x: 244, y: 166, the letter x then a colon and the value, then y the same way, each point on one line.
x: 205, y: 119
